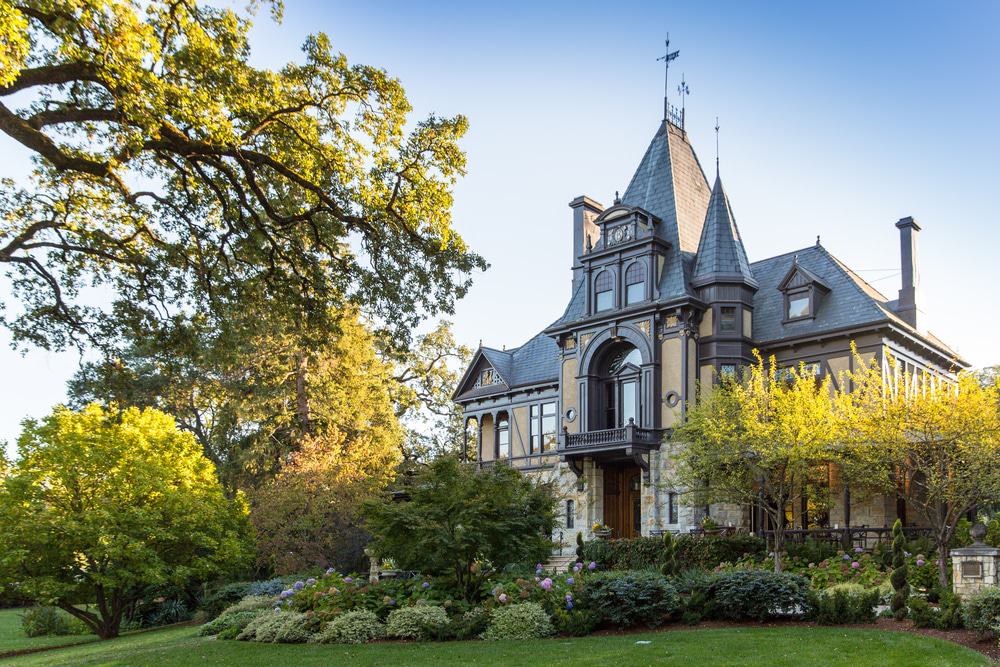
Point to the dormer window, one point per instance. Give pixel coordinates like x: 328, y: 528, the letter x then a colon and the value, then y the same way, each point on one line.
x: 604, y: 291
x: 635, y: 283
x: 803, y: 291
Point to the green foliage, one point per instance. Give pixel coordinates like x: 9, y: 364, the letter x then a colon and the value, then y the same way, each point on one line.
x: 279, y: 627
x: 758, y: 595
x: 526, y: 620
x: 576, y: 622
x: 468, y: 625
x: 460, y: 521
x: 418, y: 622
x: 947, y: 616
x: 309, y: 183
x: 579, y: 546
x: 352, y: 627
x: 627, y: 599
x: 231, y: 623
x: 982, y: 612
x: 104, y: 504
x: 677, y: 553
x: 845, y: 604
x: 46, y: 621
x: 899, y: 573
x: 811, y: 550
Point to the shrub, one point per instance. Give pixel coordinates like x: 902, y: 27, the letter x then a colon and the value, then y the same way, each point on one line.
x: 352, y: 627
x: 526, y: 620
x: 630, y: 554
x: 228, y: 625
x: 899, y: 572
x: 759, y: 595
x: 709, y: 551
x: 982, y: 612
x: 420, y: 622
x: 845, y: 604
x: 50, y: 621
x: 167, y: 612
x: 630, y: 598
x: 946, y: 616
x: 469, y: 625
x: 811, y: 550
x: 576, y: 622
x: 675, y: 553
x: 278, y: 627
x: 221, y: 597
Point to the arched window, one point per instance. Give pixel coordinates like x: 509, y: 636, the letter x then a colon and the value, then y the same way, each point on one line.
x: 635, y: 283
x: 503, y: 437
x: 604, y: 291
x: 620, y: 386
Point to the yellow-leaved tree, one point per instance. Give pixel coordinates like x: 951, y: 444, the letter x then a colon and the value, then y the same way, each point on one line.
x: 758, y: 440
x: 933, y: 441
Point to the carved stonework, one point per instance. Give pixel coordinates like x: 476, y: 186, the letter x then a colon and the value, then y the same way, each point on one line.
x: 644, y: 327
x: 584, y: 339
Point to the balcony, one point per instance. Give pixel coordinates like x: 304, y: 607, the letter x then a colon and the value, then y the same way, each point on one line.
x: 614, y: 444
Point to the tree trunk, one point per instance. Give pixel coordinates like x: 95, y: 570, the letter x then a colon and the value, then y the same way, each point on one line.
x: 779, y: 544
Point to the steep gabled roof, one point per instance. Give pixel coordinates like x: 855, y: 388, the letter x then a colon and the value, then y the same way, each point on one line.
x: 721, y: 255
x: 535, y: 362
x: 670, y: 184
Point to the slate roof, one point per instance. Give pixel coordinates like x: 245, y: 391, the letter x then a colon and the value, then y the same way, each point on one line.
x: 721, y: 253
x: 535, y: 362
x: 851, y: 301
x: 670, y: 184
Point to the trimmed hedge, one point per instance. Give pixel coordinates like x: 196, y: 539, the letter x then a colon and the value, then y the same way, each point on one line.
x: 690, y: 551
x: 759, y: 595
x: 627, y: 599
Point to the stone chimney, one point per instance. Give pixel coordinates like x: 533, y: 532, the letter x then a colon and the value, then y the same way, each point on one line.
x: 585, y: 211
x: 906, y: 307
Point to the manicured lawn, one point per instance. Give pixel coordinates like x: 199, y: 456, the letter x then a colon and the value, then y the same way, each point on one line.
x: 12, y: 639
x: 740, y: 646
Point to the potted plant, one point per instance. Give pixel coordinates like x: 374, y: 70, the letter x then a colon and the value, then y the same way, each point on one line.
x: 388, y: 569
x: 600, y: 530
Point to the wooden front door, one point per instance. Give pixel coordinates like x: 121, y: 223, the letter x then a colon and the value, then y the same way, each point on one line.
x: 623, y: 500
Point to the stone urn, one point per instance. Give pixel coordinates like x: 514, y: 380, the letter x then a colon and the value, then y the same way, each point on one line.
x: 602, y: 533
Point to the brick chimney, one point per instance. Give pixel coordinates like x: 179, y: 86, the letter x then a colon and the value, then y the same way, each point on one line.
x: 906, y: 307
x: 585, y: 210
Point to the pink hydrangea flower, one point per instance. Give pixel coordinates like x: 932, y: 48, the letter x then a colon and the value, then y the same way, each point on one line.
x: 855, y: 565
x: 503, y: 598
x: 920, y: 562
x: 546, y: 583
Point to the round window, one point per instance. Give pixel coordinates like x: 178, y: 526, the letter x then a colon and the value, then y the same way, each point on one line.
x: 570, y: 414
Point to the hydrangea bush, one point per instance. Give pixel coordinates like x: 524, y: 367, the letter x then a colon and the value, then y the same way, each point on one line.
x: 418, y: 622
x: 525, y: 620
x: 352, y: 627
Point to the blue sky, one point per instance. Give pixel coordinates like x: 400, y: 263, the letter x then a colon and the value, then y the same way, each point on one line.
x: 836, y: 119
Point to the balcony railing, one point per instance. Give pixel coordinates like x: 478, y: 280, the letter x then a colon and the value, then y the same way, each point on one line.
x: 627, y: 436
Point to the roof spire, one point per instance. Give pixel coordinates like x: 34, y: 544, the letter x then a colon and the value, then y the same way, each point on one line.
x: 666, y: 58
x: 716, y: 146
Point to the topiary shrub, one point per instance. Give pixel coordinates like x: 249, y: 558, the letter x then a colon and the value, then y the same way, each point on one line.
x: 627, y: 599
x: 45, y: 621
x: 526, y: 620
x: 849, y: 603
x: 352, y: 627
x: 899, y: 574
x: 982, y: 612
x: 759, y: 595
x: 420, y: 622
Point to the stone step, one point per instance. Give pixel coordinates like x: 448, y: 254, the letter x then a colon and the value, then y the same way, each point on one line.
x: 560, y: 563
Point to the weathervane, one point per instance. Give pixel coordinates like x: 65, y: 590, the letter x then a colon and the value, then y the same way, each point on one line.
x: 666, y: 58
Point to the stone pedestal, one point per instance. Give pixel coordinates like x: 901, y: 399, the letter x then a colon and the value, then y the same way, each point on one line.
x: 974, y: 567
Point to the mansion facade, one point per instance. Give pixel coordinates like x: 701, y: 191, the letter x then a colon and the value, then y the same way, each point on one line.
x: 664, y: 298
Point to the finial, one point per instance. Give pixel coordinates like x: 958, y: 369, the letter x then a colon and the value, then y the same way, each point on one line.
x: 716, y: 146
x: 480, y: 343
x: 817, y: 240
x: 590, y: 244
x: 618, y: 200
x: 666, y: 58
x: 684, y: 92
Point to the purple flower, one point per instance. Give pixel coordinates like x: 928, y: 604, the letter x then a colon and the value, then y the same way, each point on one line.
x: 858, y: 550
x: 330, y: 571
x: 592, y: 566
x: 425, y: 585
x: 310, y: 582
x: 569, y: 597
x: 569, y: 580
x: 546, y: 583
x: 348, y: 580
x: 569, y: 605
x: 855, y: 565
x: 503, y: 598
x: 577, y: 566
x: 299, y: 585
x: 277, y: 610
x: 846, y: 557
x: 920, y: 562
x: 288, y: 603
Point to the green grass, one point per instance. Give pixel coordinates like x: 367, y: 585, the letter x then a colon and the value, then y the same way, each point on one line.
x: 737, y: 646
x: 12, y: 639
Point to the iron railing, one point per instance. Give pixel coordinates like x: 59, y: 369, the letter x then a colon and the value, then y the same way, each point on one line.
x: 625, y: 436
